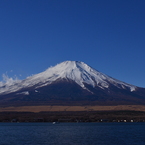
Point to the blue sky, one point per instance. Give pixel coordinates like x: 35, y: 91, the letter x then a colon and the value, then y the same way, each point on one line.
x: 108, y: 35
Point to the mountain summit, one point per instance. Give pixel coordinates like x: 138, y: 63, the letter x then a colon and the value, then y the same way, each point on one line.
x: 82, y: 74
x: 71, y: 81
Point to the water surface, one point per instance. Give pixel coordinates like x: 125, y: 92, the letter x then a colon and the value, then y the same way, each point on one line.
x: 72, y: 134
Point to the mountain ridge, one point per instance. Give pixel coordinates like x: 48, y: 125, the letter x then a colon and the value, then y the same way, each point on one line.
x: 74, y: 70
x: 71, y: 81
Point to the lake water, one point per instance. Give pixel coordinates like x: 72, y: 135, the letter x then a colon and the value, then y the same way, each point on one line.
x: 72, y: 134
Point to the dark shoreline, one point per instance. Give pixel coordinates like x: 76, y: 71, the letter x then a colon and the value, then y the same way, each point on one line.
x: 78, y: 116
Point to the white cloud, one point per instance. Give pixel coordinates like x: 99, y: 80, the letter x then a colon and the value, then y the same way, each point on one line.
x: 8, y: 81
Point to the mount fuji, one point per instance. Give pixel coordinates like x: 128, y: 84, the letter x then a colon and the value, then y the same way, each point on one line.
x: 70, y: 83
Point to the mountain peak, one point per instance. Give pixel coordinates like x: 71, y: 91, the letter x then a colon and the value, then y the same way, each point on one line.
x: 83, y: 74
x: 69, y: 65
x: 76, y: 71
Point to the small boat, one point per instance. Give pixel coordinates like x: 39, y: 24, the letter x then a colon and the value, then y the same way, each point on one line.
x: 55, y: 122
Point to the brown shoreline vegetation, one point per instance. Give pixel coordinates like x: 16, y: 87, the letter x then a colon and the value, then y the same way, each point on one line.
x: 51, y: 108
x: 119, y: 113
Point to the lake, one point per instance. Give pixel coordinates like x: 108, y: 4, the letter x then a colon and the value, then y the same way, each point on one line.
x: 72, y: 134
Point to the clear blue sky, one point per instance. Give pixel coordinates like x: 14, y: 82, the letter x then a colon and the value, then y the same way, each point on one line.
x: 108, y: 35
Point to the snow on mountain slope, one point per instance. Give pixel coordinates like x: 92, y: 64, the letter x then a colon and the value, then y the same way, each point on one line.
x: 79, y: 72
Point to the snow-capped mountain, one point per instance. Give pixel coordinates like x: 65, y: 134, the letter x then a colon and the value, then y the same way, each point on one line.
x: 78, y: 72
x: 81, y: 79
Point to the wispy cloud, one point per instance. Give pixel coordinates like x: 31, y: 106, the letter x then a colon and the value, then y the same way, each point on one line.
x: 8, y: 81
